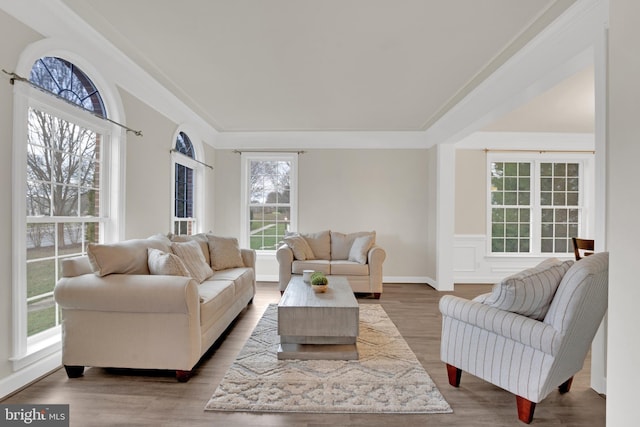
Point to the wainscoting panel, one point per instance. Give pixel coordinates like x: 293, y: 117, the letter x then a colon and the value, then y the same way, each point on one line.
x: 472, y: 264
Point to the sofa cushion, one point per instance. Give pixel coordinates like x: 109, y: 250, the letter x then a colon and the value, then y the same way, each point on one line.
x: 193, y: 258
x: 224, y: 252
x: 126, y: 257
x: 530, y: 291
x: 166, y: 264
x: 215, y: 297
x: 320, y: 243
x: 341, y: 243
x: 300, y: 247
x: 201, y: 238
x: 360, y: 248
x: 349, y: 268
x: 321, y: 265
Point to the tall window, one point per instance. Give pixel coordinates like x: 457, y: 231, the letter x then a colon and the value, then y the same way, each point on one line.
x: 270, y: 198
x: 183, y: 214
x: 536, y: 206
x: 63, y: 173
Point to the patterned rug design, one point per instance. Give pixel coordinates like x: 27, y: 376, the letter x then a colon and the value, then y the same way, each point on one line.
x: 387, y: 378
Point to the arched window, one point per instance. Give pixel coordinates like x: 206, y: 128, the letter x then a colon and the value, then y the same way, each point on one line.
x: 184, y: 221
x: 63, y: 163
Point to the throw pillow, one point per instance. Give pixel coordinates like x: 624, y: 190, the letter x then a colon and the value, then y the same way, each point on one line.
x: 127, y: 257
x: 193, y: 258
x: 320, y: 243
x: 360, y: 249
x: 301, y: 249
x: 201, y: 238
x: 167, y: 264
x: 225, y: 252
x: 341, y: 243
x: 529, y: 292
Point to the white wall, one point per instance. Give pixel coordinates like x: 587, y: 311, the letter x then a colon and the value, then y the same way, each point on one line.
x: 347, y: 191
x: 623, y: 375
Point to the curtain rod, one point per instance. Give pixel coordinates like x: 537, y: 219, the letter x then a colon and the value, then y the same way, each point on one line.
x: 15, y: 77
x: 487, y: 150
x: 269, y: 151
x: 173, y: 150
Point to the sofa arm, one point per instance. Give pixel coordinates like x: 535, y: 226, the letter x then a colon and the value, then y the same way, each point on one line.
x: 128, y: 293
x: 249, y: 258
x: 284, y: 255
x: 513, y: 326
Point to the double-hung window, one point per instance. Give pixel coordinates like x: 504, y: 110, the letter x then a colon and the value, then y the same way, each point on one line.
x: 537, y: 203
x: 269, y: 182
x: 61, y: 161
x: 184, y: 173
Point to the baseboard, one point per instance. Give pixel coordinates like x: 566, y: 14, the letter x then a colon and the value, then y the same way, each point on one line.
x: 30, y: 374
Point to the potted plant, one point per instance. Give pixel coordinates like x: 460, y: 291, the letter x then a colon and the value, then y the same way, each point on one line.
x: 319, y: 282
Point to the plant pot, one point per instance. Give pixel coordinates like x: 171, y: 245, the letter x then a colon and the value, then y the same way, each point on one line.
x: 319, y: 288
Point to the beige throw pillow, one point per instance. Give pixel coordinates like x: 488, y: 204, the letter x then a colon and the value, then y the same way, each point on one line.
x: 341, y: 243
x: 201, y: 238
x: 225, y: 252
x: 320, y: 243
x: 127, y: 257
x: 166, y: 264
x: 360, y: 249
x: 301, y: 249
x: 193, y: 258
x: 530, y: 291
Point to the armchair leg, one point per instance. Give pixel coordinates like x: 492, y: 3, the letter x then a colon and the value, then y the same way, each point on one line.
x: 565, y: 386
x: 376, y: 295
x: 525, y: 409
x: 454, y: 375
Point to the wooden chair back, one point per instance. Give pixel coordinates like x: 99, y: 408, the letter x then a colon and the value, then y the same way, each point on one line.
x: 582, y: 247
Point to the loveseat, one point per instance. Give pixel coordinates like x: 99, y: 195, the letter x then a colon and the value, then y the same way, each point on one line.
x: 156, y: 303
x: 354, y: 256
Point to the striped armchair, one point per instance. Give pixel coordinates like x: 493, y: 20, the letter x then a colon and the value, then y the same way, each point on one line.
x: 522, y: 355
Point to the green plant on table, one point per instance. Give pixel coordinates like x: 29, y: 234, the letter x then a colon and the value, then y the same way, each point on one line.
x: 319, y: 279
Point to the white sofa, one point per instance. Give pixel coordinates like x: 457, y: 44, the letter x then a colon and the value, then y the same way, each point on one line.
x: 116, y: 314
x: 354, y: 256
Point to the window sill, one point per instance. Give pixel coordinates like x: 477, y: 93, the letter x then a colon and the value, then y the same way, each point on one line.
x: 37, y: 352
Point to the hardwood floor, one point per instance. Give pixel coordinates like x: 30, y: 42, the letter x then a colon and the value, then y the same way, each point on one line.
x: 139, y: 398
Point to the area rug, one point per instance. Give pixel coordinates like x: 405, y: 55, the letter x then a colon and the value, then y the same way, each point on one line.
x: 387, y: 378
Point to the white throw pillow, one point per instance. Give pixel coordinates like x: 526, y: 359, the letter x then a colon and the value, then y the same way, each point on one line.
x: 301, y: 249
x: 201, y: 238
x: 166, y: 264
x: 360, y: 249
x: 529, y: 292
x: 193, y: 258
x: 225, y: 252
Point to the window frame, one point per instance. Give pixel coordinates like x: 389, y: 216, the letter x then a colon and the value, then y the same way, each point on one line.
x: 198, y: 178
x: 27, y: 350
x: 246, y: 159
x: 585, y: 204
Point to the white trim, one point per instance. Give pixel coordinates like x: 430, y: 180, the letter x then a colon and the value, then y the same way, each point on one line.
x: 14, y: 382
x: 445, y: 200
x: 539, y: 141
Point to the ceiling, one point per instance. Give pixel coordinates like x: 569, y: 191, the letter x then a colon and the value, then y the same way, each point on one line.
x: 329, y: 65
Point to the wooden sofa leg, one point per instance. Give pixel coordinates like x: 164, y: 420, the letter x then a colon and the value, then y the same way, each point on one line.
x: 183, y: 376
x: 74, y: 371
x: 454, y: 375
x: 525, y: 409
x: 376, y: 295
x: 565, y: 386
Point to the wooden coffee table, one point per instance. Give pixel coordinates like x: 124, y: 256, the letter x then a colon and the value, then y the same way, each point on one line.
x: 316, y: 326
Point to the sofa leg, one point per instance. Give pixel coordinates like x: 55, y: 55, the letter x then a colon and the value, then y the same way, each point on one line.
x: 565, y: 386
x: 250, y: 301
x: 525, y: 409
x: 183, y: 376
x: 454, y: 375
x: 74, y: 371
x: 376, y: 295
